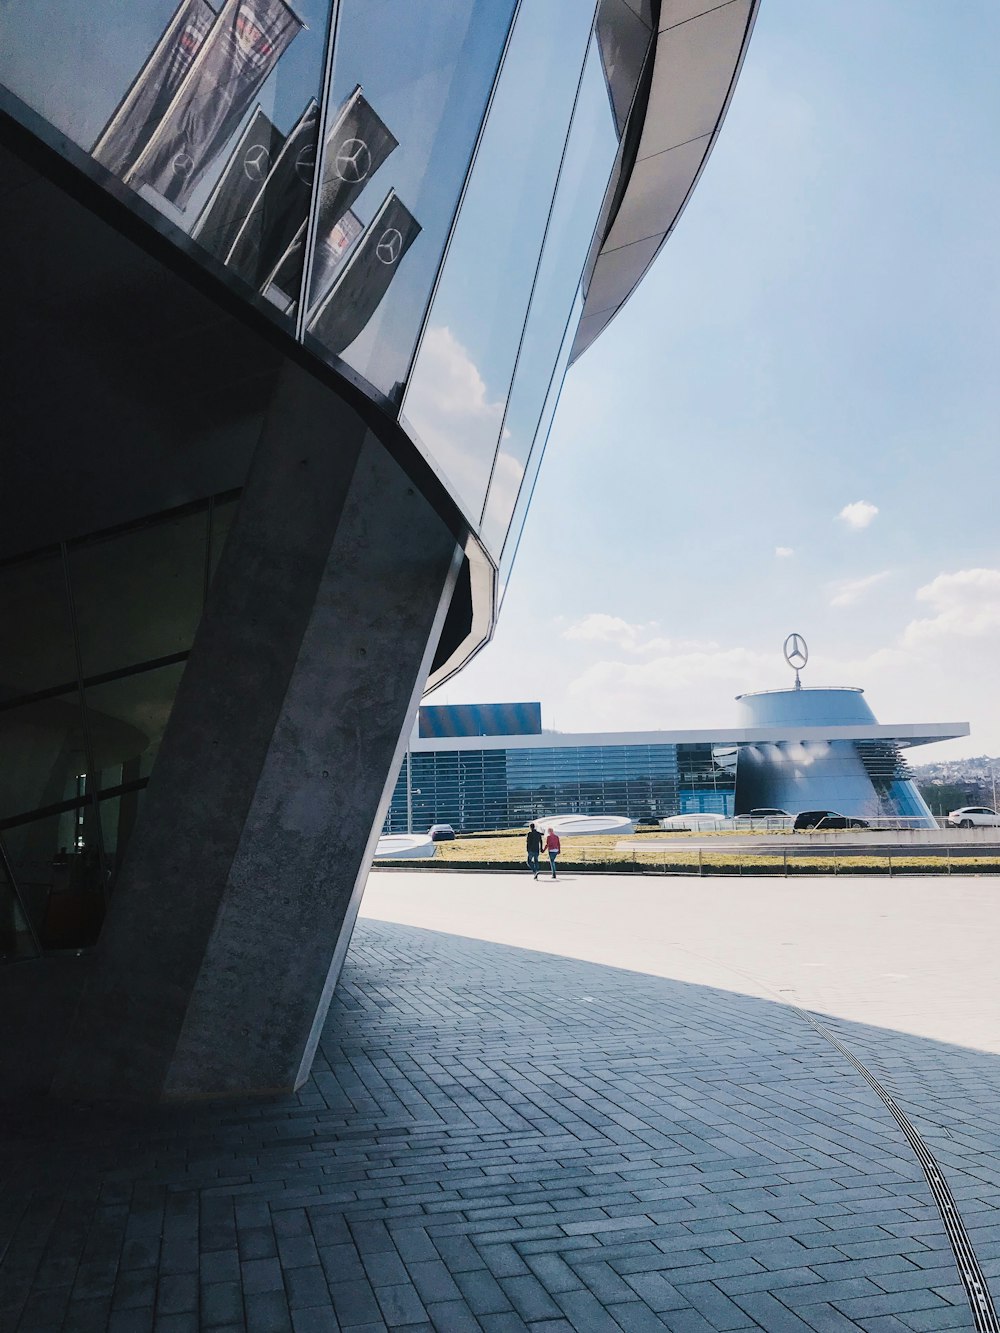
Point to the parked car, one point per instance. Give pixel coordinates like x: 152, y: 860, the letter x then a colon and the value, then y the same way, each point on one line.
x: 769, y: 816
x: 441, y: 833
x: 973, y: 816
x: 827, y: 819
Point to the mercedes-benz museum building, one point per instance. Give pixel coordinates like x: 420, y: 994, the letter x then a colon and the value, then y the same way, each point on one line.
x: 291, y: 290
x: 492, y: 766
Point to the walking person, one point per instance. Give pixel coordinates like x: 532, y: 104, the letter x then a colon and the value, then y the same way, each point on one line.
x: 553, y: 847
x: 534, y: 846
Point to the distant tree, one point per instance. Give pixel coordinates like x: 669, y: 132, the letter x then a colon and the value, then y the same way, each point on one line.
x: 945, y: 796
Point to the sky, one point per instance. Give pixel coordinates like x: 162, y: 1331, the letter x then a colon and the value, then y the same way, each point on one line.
x: 793, y: 423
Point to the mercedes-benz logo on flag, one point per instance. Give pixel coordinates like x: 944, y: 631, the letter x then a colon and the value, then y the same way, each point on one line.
x: 390, y: 244
x: 305, y: 163
x: 353, y: 161
x: 256, y: 162
x: 796, y: 652
x: 183, y: 164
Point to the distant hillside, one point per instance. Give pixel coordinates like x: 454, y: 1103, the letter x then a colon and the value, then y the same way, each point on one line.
x: 951, y: 783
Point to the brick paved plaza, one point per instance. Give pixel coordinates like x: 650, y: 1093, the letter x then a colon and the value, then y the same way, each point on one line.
x: 595, y: 1105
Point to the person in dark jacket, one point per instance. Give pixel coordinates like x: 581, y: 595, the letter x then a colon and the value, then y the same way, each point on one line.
x: 534, y: 846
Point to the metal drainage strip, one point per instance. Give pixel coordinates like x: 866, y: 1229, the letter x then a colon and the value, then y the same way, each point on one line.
x: 983, y: 1310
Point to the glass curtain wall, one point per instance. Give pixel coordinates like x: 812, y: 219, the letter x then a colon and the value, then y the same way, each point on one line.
x: 208, y: 110
x: 89, y: 678
x: 506, y: 788
x: 462, y: 375
x: 408, y: 91
x: 369, y: 173
x: 706, y: 776
x: 619, y: 50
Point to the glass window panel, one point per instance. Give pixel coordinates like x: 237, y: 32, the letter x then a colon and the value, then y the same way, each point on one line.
x: 189, y: 106
x: 510, y: 531
x: 456, y: 397
x: 47, y: 820
x: 44, y: 752
x: 139, y: 594
x: 410, y: 85
x: 37, y: 639
x: 126, y: 719
x: 16, y: 938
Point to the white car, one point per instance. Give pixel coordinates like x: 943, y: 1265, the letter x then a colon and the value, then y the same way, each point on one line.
x: 973, y: 816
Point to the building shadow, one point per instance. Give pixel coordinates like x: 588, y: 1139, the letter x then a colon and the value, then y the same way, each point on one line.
x: 479, y: 1100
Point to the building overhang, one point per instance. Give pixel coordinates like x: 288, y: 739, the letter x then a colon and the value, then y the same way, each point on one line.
x: 700, y: 46
x: 902, y: 734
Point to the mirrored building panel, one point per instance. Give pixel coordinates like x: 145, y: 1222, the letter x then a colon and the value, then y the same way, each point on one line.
x: 590, y: 154
x: 378, y: 175
x: 410, y: 86
x: 209, y: 112
x: 461, y: 378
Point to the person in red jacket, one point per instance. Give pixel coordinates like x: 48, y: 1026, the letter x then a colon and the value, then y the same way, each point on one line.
x: 553, y: 847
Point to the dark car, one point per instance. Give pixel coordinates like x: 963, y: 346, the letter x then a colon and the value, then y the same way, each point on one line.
x: 441, y: 833
x: 827, y: 819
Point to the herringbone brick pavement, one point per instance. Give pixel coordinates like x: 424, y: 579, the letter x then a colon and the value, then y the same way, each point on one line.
x: 501, y: 1140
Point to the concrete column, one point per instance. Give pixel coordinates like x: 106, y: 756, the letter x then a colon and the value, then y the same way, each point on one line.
x: 243, y: 877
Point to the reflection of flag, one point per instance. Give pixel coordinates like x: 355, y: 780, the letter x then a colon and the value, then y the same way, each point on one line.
x: 332, y: 247
x: 246, y: 42
x: 229, y: 203
x: 280, y: 207
x: 357, y: 144
x: 142, y: 108
x: 365, y: 278
x: 330, y: 253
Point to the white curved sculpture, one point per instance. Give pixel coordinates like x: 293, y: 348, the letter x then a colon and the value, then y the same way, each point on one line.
x: 569, y: 826
x: 696, y: 823
x: 408, y: 845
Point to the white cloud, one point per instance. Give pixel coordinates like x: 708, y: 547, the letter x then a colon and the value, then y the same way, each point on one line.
x: 859, y: 514
x: 966, y: 605
x: 601, y: 628
x: 847, y: 592
x: 681, y: 684
x: 783, y: 552
x: 450, y: 409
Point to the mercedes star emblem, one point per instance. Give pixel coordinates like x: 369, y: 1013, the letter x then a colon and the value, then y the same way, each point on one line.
x: 353, y: 161
x: 183, y: 164
x: 796, y: 655
x: 256, y: 162
x: 389, y: 246
x: 796, y: 652
x: 305, y: 163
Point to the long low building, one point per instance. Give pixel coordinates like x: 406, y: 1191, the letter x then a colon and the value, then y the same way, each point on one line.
x: 792, y: 749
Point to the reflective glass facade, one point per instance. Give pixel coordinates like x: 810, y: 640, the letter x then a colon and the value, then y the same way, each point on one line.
x: 478, y: 788
x: 409, y: 190
x: 87, y: 687
x: 474, y: 788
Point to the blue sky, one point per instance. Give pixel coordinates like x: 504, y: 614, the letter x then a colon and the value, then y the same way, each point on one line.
x: 819, y: 333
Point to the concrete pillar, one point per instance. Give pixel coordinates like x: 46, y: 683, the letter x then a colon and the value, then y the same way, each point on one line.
x: 242, y: 879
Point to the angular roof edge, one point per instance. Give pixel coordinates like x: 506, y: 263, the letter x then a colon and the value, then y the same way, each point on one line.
x: 903, y: 733
x: 700, y: 47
